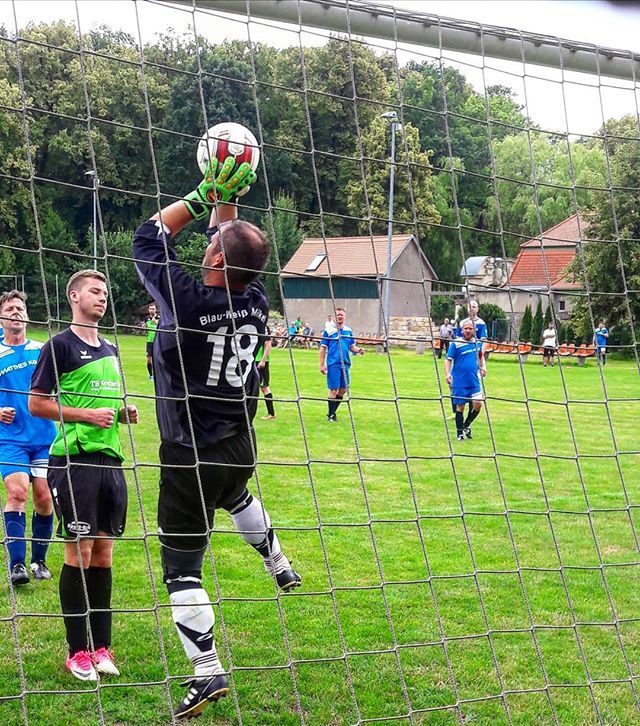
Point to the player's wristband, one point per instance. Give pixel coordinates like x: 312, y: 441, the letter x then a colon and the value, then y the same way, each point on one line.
x: 196, y: 206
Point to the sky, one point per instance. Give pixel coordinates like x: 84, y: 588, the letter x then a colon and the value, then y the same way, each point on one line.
x: 576, y: 106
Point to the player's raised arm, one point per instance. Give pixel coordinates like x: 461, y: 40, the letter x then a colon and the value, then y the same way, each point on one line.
x: 214, y: 197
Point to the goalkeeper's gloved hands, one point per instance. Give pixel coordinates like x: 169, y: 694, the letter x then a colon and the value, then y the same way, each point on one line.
x: 221, y: 183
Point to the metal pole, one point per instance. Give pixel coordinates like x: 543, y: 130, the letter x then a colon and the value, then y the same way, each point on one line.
x: 57, y: 304
x: 387, y: 288
x: 94, y: 198
x: 95, y: 221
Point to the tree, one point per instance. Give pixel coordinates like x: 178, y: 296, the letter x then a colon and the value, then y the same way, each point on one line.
x: 525, y: 325
x: 536, y: 325
x: 548, y: 315
x: 281, y: 226
x: 413, y: 191
x: 558, y: 169
x: 611, y: 260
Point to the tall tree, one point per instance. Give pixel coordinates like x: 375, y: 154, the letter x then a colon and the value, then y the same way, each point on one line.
x: 611, y: 259
x: 525, y: 325
x: 537, y: 325
x: 556, y: 168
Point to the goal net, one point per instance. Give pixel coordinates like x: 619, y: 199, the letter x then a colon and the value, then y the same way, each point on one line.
x: 411, y: 167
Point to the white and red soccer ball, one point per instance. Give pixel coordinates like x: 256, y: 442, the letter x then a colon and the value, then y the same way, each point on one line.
x: 228, y: 139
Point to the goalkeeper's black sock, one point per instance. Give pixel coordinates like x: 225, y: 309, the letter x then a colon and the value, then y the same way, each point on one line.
x: 99, y: 584
x: 472, y: 416
x: 459, y: 420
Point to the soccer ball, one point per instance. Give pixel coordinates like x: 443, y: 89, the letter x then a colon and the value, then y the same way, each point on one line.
x: 228, y: 139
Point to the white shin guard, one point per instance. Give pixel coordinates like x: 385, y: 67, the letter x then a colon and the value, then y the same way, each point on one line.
x: 194, y: 619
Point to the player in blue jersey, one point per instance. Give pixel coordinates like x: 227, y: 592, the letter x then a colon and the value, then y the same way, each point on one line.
x: 465, y: 366
x: 207, y: 386
x: 600, y: 339
x: 480, y: 331
x: 335, y: 361
x: 24, y: 444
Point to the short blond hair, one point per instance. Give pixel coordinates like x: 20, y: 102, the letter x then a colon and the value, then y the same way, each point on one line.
x: 76, y: 280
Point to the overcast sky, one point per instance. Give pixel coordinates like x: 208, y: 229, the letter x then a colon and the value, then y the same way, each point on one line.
x: 575, y: 106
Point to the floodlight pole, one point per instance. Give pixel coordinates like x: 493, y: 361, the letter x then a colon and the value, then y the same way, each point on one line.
x: 94, y: 194
x: 392, y: 118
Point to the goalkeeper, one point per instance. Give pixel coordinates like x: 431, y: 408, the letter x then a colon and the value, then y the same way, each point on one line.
x: 207, y: 393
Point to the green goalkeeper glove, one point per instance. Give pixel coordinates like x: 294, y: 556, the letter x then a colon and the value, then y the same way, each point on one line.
x: 223, y: 186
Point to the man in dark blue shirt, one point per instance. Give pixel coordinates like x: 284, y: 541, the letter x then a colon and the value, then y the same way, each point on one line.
x: 207, y: 391
x: 465, y: 366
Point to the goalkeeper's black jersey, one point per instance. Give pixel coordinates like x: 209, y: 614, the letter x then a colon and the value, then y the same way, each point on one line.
x: 205, y: 374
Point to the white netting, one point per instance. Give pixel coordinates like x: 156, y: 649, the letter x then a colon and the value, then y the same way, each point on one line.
x: 443, y: 581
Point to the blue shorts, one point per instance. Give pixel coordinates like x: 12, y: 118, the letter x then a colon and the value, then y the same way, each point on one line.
x: 337, y: 376
x: 26, y: 458
x: 460, y: 395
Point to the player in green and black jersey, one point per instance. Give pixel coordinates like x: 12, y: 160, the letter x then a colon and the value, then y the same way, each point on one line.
x: 77, y: 382
x: 151, y: 324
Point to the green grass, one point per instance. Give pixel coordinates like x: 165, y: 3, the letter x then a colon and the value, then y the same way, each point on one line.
x: 500, y: 573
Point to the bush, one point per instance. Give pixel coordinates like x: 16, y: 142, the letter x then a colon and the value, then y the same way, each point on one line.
x: 442, y: 307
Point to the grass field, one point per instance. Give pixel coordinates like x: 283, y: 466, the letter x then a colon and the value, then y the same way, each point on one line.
x: 500, y: 574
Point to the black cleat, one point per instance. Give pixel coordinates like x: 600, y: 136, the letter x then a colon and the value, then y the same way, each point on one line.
x: 467, y: 433
x: 201, y: 692
x: 460, y: 436
x: 288, y: 580
x: 19, y: 574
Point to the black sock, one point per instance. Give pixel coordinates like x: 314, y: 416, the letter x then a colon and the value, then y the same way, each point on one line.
x: 338, y: 401
x: 332, y: 406
x: 150, y: 368
x: 459, y: 419
x: 268, y: 400
x: 73, y: 602
x: 453, y: 406
x: 99, y: 583
x: 471, y: 417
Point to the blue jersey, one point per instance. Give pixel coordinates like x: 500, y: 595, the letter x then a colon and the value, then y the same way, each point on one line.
x: 336, y: 340
x: 480, y: 326
x: 17, y: 363
x: 601, y: 337
x: 465, y: 355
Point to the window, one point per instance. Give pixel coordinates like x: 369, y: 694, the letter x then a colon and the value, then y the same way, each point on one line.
x: 316, y: 261
x: 561, y: 306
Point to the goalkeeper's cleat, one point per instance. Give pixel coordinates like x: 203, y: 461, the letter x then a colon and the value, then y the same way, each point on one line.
x: 467, y: 432
x: 201, y: 692
x: 81, y: 666
x: 460, y: 436
x: 288, y: 580
x: 104, y: 662
x: 40, y: 571
x: 19, y: 574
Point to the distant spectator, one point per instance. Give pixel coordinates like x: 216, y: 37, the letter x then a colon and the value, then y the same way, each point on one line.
x: 330, y: 326
x: 307, y: 335
x: 446, y: 335
x: 549, y: 344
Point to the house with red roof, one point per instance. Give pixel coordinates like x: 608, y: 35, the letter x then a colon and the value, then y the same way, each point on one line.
x: 350, y: 272
x: 542, y: 271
